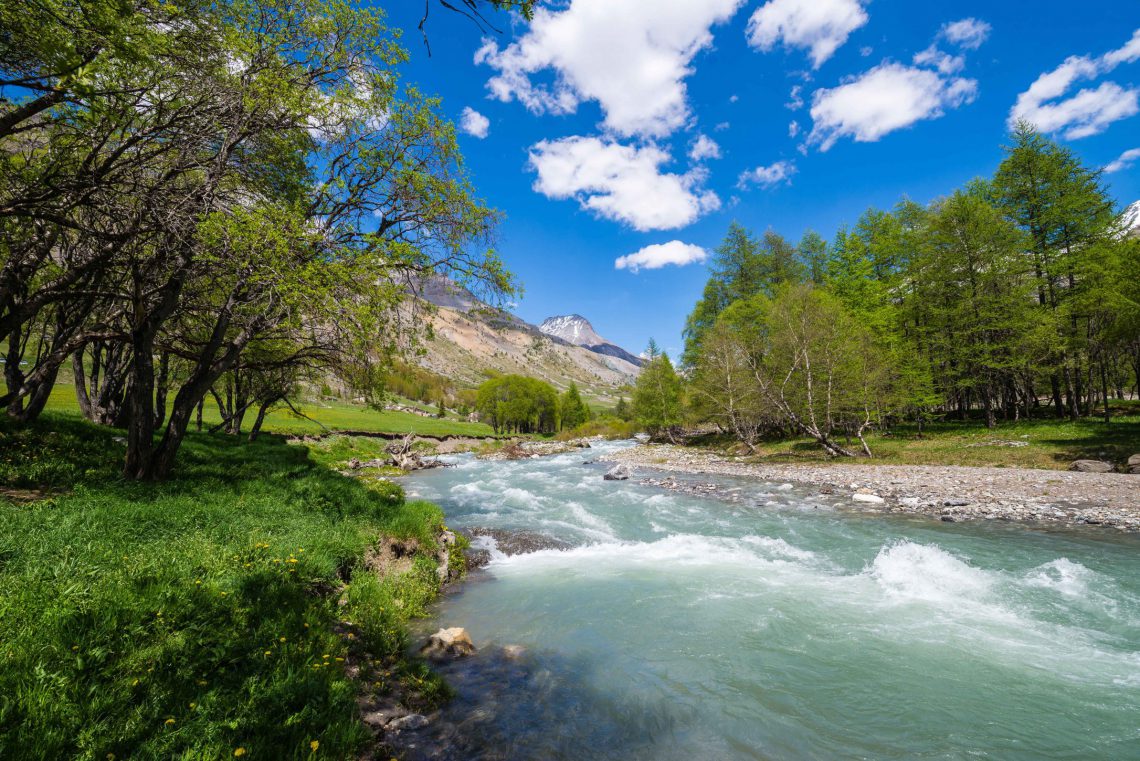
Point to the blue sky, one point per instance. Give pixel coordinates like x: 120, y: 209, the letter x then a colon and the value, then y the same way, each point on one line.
x: 586, y: 122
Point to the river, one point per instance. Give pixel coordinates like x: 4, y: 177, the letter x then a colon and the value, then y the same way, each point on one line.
x: 777, y: 627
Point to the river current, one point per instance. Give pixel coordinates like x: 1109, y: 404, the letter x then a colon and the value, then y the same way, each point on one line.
x: 776, y: 626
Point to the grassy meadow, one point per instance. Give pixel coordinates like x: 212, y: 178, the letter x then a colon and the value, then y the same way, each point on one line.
x: 207, y: 617
x: 334, y: 415
x: 1037, y: 443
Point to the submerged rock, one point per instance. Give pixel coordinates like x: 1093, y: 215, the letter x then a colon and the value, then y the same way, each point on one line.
x: 447, y: 644
x: 617, y: 473
x: 873, y: 499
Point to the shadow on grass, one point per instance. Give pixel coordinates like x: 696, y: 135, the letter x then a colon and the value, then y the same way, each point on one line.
x: 193, y: 617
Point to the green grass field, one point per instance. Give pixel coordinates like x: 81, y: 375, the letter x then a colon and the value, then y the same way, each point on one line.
x: 196, y: 618
x: 1048, y: 443
x: 336, y: 416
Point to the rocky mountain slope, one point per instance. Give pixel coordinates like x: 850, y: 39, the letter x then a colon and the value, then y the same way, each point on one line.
x: 471, y: 337
x: 577, y: 330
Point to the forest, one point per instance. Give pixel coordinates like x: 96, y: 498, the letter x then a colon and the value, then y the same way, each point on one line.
x: 1016, y: 296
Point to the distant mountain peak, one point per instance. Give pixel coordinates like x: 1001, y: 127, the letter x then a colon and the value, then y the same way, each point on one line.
x: 573, y: 329
x: 1132, y: 220
x: 576, y: 330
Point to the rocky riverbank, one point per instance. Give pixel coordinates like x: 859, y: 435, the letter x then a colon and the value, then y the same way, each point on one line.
x: 948, y: 493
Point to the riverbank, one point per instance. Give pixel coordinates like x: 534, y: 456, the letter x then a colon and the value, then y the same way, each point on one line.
x: 948, y: 493
x: 242, y: 608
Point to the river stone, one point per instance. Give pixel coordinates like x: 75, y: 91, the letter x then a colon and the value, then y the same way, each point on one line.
x: 448, y: 643
x: 1134, y: 464
x: 873, y: 499
x: 411, y: 721
x: 1091, y: 466
x: 617, y: 473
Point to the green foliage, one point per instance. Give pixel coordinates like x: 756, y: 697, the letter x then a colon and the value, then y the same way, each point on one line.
x: 517, y: 404
x: 572, y: 411
x: 194, y: 618
x: 657, y: 405
x: 1004, y: 298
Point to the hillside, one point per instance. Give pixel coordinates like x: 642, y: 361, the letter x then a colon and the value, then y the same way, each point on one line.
x: 471, y: 337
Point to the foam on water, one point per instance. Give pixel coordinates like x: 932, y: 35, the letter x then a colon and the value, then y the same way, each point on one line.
x: 787, y: 631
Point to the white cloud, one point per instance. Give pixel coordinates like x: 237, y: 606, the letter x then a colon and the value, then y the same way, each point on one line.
x: 889, y: 97
x: 1089, y: 111
x: 704, y: 148
x: 795, y: 99
x: 945, y: 63
x: 768, y: 176
x: 1123, y: 161
x: 733, y: 98
x: 660, y: 255
x: 474, y: 123
x: 821, y: 26
x: 721, y: 126
x: 793, y: 129
x: 866, y: 51
x: 968, y: 33
x: 631, y: 57
x: 620, y: 182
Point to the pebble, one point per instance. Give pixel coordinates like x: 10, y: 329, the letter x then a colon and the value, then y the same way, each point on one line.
x: 1012, y: 494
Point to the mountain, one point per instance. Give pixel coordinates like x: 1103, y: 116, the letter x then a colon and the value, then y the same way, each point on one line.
x: 576, y: 330
x: 1132, y: 220
x: 471, y: 337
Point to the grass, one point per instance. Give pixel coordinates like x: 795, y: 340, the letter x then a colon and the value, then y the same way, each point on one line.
x: 334, y: 415
x: 197, y: 617
x: 1048, y: 443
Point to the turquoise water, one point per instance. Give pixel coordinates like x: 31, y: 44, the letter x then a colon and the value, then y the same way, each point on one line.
x: 777, y: 627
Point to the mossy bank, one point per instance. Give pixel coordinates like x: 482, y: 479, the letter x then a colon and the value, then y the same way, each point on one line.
x: 207, y: 617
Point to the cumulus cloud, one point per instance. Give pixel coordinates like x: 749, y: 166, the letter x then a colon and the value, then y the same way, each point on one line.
x: 704, y: 148
x: 1123, y: 161
x: 768, y: 176
x: 793, y: 129
x: 968, y: 33
x: 944, y: 62
x: 821, y: 26
x: 474, y: 123
x: 620, y: 182
x: 631, y: 57
x: 1087, y: 112
x: 660, y: 255
x: 889, y: 97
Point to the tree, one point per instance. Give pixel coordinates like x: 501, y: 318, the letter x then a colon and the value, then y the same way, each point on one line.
x: 572, y: 411
x: 657, y: 396
x: 1065, y: 213
x: 978, y: 305
x: 517, y: 404
x: 245, y: 177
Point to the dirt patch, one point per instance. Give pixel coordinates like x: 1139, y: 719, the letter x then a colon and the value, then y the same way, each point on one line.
x: 391, y: 556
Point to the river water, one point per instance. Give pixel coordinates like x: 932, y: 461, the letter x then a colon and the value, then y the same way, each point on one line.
x: 777, y: 627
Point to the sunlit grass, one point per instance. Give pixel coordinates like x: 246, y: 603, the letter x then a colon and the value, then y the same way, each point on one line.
x: 196, y: 617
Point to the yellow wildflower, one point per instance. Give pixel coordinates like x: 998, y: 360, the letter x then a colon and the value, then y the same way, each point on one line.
x: 239, y: 752
x: 170, y: 722
x: 314, y: 745
x: 282, y: 639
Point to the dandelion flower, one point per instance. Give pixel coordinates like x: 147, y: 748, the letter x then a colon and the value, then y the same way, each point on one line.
x: 314, y: 745
x: 169, y: 722
x: 282, y: 639
x: 239, y: 752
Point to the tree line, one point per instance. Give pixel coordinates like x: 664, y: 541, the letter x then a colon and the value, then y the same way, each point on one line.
x: 1015, y: 296
x: 518, y: 404
x: 216, y: 199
